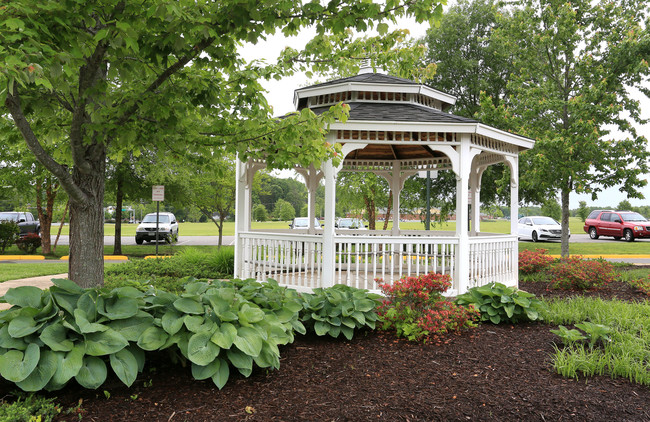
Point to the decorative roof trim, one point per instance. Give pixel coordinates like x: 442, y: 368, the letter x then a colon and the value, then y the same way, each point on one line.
x: 414, y: 88
x: 476, y: 128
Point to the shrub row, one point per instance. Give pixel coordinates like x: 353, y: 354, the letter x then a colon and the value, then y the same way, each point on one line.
x: 49, y: 337
x: 9, y: 235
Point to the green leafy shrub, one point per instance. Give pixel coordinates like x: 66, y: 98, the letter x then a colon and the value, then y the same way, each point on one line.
x: 9, y: 232
x: 581, y: 274
x: 339, y: 309
x: 29, y: 243
x: 49, y: 337
x: 642, y: 285
x: 29, y: 408
x: 162, y: 272
x: 533, y: 261
x: 415, y: 308
x: 498, y: 303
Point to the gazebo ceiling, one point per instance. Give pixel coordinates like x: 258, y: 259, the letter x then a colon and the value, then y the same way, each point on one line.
x: 393, y: 152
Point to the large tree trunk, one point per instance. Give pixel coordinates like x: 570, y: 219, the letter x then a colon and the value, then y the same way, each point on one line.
x: 370, y: 209
x: 119, y: 197
x: 565, y: 223
x: 86, y: 266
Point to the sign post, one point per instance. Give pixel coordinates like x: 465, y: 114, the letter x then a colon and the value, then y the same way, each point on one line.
x: 157, y: 195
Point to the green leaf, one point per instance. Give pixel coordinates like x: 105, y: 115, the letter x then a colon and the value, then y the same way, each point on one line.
x: 132, y: 328
x: 84, y: 325
x: 189, y: 306
x: 92, y: 373
x: 24, y: 296
x: 200, y: 350
x: 104, y: 343
x: 8, y: 342
x: 495, y: 319
x: 510, y: 309
x: 172, y: 321
x: 221, y: 377
x: 125, y: 366
x: 119, y: 308
x: 55, y: 337
x: 364, y: 305
x: 347, y: 332
x: 15, y: 365
x: 204, y: 372
x: 152, y: 338
x: 321, y: 328
x: 249, y: 341
x: 239, y: 359
x: 225, y: 335
x: 250, y: 315
x: 65, y: 285
x: 41, y: 375
x: 22, y: 326
x: 68, y: 366
x: 193, y: 322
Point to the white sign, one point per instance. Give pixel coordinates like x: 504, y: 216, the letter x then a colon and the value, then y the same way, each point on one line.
x: 158, y: 193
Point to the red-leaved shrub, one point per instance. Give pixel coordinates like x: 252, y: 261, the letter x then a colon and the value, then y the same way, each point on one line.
x: 415, y: 308
x: 575, y: 273
x: 29, y: 243
x: 534, y: 261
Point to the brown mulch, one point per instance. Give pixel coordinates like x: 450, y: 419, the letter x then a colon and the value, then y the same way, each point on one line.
x: 491, y: 373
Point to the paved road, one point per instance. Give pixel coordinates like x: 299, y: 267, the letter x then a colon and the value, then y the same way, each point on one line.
x: 182, y: 240
x: 230, y: 240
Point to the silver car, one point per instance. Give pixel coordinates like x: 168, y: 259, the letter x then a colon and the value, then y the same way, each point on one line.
x: 167, y: 228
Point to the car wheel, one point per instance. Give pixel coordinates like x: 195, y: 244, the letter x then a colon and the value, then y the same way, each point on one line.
x: 593, y: 233
x: 138, y: 241
x: 534, y: 237
x: 629, y: 236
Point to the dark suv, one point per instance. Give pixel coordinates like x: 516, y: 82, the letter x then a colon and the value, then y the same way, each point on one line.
x: 627, y: 224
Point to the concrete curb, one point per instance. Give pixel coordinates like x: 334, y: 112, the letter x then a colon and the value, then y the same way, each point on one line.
x: 20, y: 257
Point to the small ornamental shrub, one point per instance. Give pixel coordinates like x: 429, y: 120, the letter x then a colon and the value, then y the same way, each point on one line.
x: 29, y: 408
x: 534, y: 261
x: 498, y: 303
x: 642, y: 285
x: 29, y: 243
x: 575, y: 273
x: 8, y: 234
x: 415, y: 308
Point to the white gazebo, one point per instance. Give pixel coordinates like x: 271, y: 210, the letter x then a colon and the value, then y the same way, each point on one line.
x: 396, y: 129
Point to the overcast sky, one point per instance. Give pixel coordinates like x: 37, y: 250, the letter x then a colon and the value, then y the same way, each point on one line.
x: 280, y: 96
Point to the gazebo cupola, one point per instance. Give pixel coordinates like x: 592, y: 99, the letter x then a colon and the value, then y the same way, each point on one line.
x: 396, y: 129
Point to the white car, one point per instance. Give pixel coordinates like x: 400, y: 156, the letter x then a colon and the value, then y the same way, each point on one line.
x: 301, y: 223
x: 167, y: 228
x: 538, y: 227
x: 350, y: 224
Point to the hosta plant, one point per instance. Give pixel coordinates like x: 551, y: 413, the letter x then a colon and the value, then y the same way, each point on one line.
x: 415, y: 308
x: 339, y: 309
x: 498, y: 303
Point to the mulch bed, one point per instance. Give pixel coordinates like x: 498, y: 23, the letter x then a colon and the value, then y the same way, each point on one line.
x: 491, y: 373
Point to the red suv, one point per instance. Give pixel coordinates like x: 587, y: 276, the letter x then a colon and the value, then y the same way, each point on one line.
x: 618, y: 224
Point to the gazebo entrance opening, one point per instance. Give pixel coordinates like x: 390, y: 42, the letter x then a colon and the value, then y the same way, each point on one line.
x: 396, y: 129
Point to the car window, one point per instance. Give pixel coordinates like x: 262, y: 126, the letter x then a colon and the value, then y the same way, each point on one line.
x: 525, y: 221
x: 632, y: 216
x: 615, y: 218
x: 605, y: 216
x: 522, y: 221
x: 151, y: 218
x: 544, y: 220
x: 10, y: 216
x: 593, y: 214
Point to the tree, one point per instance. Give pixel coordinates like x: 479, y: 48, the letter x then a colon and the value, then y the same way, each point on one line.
x: 625, y: 205
x: 129, y: 76
x: 551, y: 208
x: 583, y: 211
x: 284, y: 211
x: 365, y: 191
x: 574, y: 62
x: 469, y: 62
x: 260, y: 213
x: 213, y: 190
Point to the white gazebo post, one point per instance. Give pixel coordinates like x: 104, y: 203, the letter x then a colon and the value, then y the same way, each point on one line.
x: 328, y: 274
x: 312, y: 178
x: 475, y: 189
x: 462, y: 190
x: 242, y: 222
x: 513, y: 163
x: 395, y: 186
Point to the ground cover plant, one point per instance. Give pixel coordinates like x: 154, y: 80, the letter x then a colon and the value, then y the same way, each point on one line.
x: 498, y: 303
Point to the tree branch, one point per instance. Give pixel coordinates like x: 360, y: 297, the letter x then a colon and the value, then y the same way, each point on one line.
x: 13, y: 104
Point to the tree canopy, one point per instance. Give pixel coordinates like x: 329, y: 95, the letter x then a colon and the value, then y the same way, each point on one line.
x: 112, y: 78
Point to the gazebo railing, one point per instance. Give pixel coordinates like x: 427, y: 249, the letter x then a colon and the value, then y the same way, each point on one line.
x: 296, y: 260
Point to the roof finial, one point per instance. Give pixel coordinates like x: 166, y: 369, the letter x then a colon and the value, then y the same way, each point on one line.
x: 365, y: 66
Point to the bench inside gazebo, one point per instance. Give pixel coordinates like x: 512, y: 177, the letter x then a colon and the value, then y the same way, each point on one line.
x: 396, y: 129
